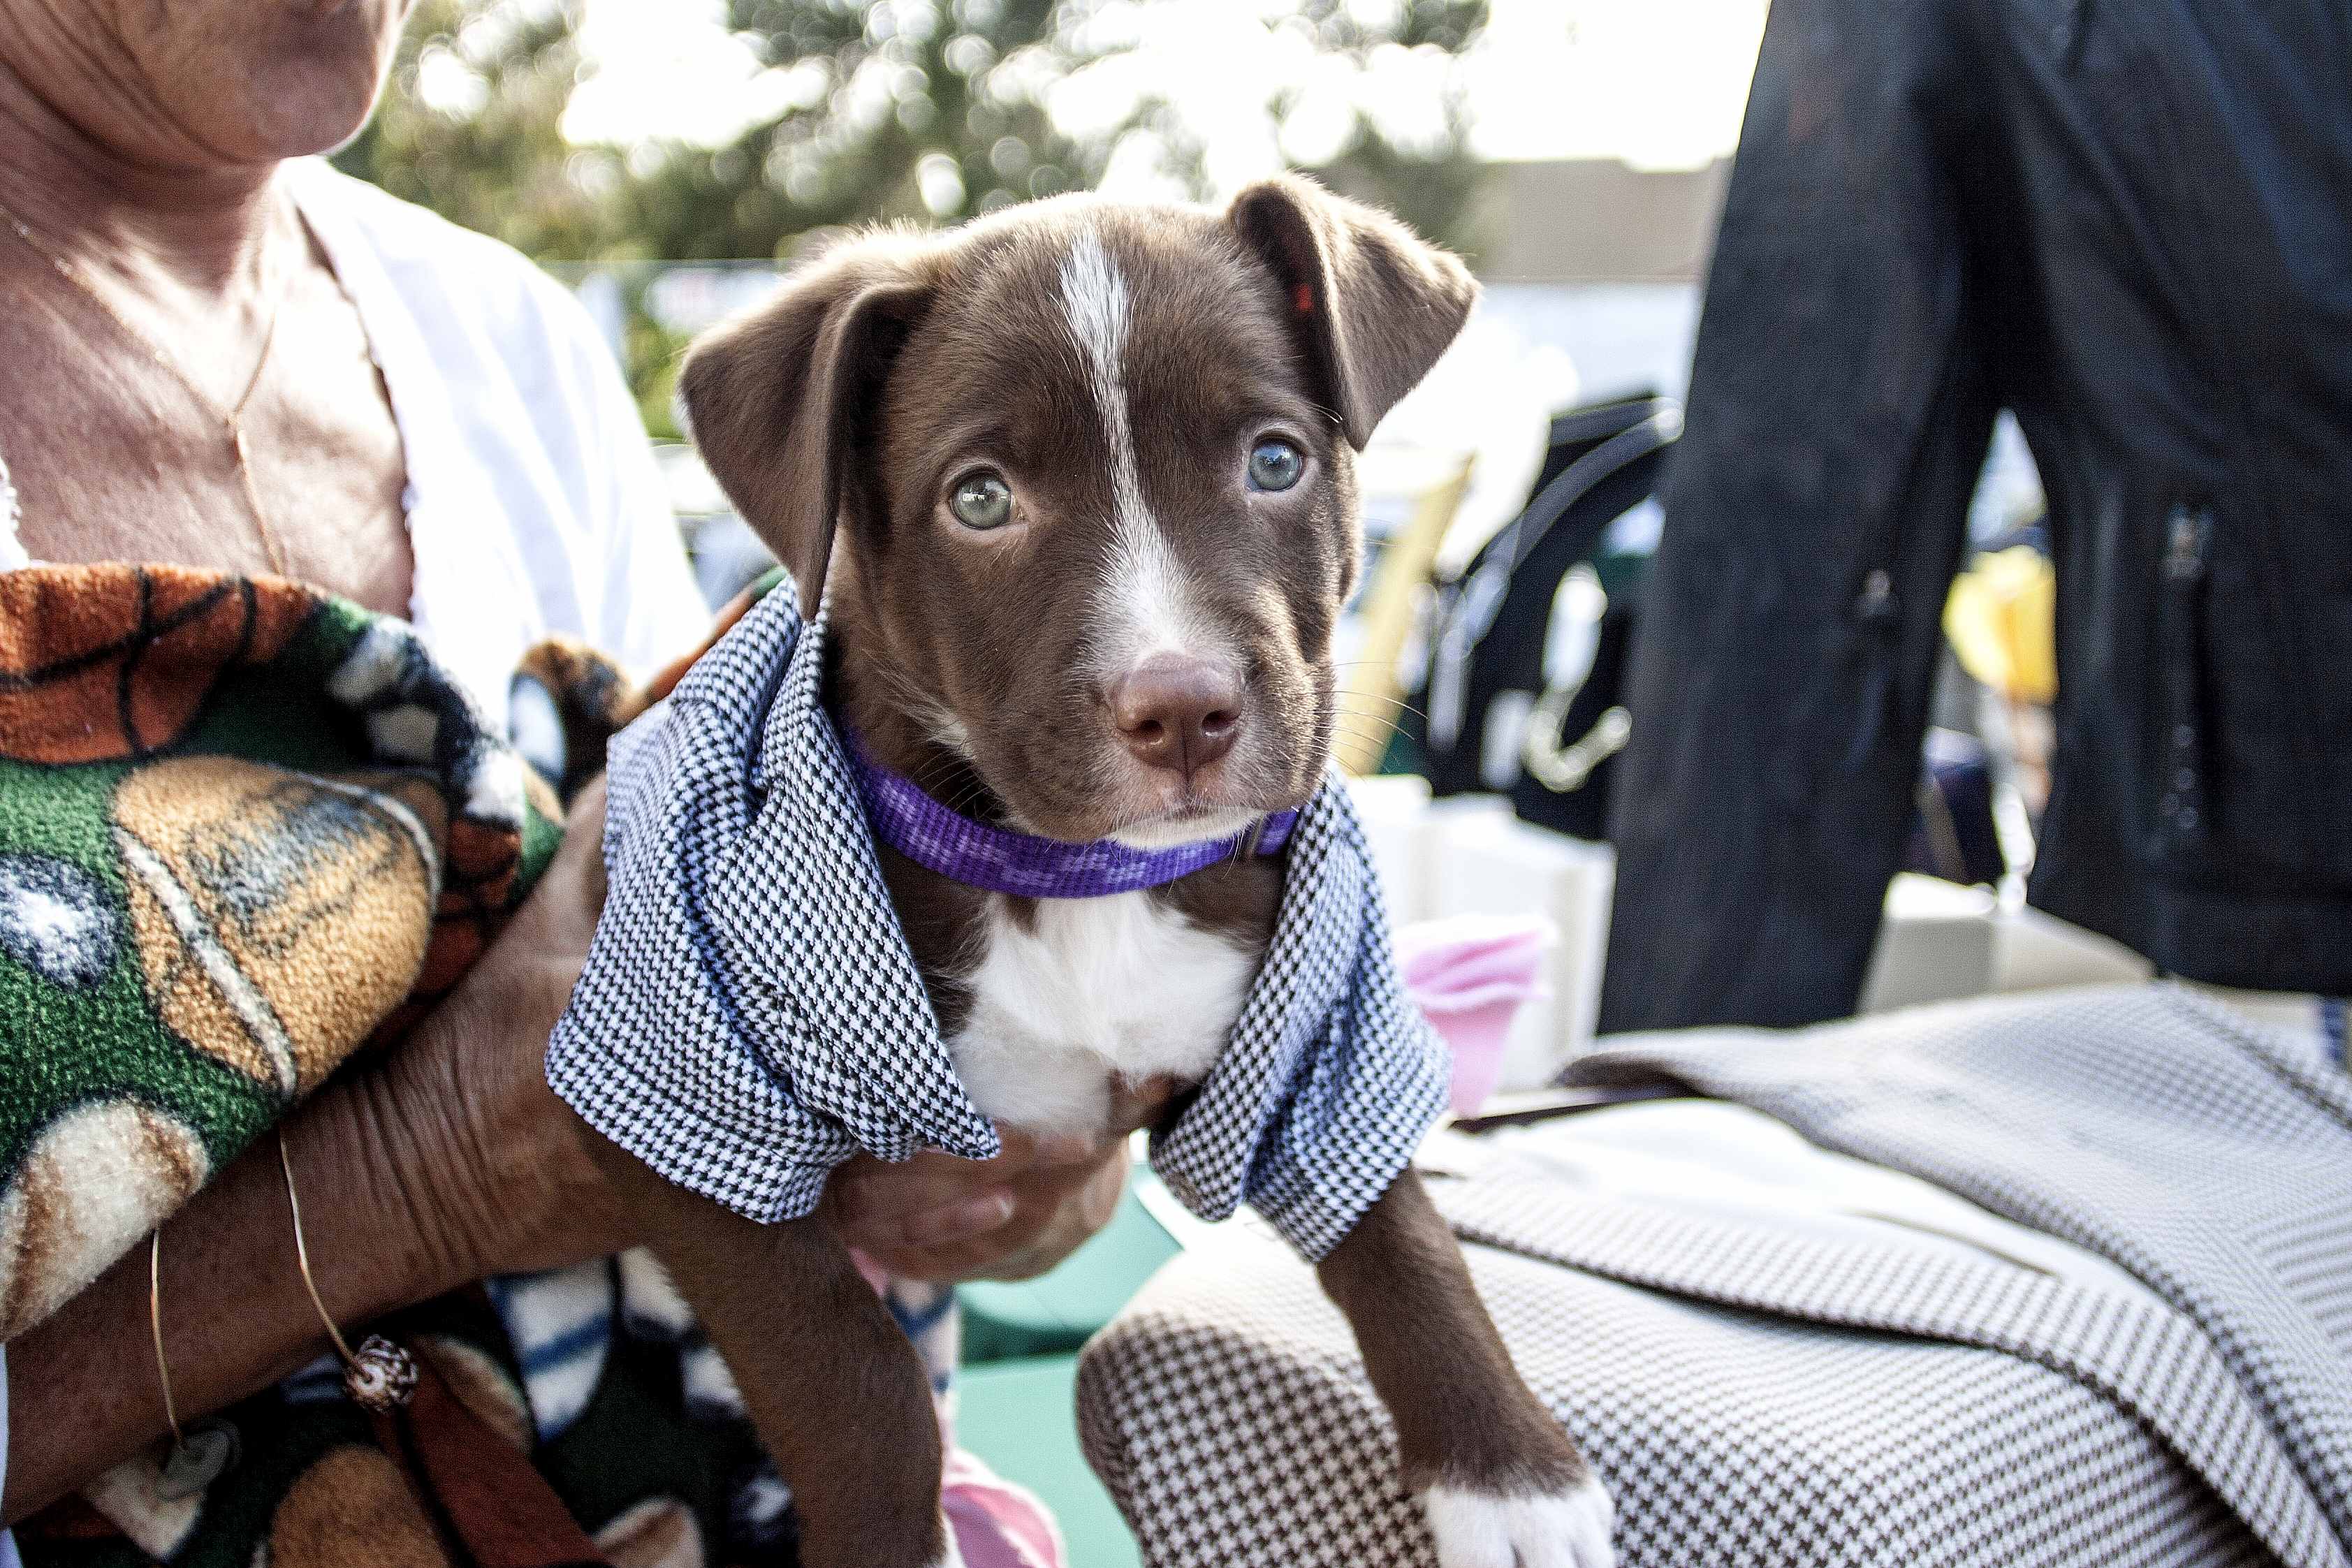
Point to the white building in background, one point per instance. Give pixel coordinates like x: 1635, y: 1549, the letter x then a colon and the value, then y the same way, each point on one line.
x: 1592, y: 272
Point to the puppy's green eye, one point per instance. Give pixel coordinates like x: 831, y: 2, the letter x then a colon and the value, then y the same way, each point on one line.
x: 982, y: 501
x: 1275, y: 466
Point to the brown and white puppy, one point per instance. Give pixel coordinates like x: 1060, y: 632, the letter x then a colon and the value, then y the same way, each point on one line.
x: 1076, y: 482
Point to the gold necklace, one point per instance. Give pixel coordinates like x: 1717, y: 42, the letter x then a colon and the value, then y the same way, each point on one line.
x: 232, y: 419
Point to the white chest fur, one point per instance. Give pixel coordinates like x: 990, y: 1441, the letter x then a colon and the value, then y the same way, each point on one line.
x: 1094, y: 986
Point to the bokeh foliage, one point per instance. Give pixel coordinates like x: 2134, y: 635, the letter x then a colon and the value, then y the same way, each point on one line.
x: 923, y: 110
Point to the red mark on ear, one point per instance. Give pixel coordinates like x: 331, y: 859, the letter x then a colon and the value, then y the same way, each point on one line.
x: 1304, y: 300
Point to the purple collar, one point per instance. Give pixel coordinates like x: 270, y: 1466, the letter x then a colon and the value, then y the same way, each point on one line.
x: 1001, y: 861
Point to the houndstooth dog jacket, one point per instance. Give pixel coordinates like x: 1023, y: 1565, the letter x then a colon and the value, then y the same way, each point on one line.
x: 750, y: 1016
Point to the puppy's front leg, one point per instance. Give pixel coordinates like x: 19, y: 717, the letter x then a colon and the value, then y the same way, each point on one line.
x: 1501, y: 1484
x: 837, y: 1394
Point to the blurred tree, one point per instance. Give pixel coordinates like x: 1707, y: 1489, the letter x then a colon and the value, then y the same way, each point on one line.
x: 901, y: 109
x: 471, y: 126
x: 924, y: 111
x: 1426, y: 173
x: 921, y: 110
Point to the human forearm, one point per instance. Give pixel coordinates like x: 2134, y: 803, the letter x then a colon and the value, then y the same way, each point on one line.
x: 83, y: 1393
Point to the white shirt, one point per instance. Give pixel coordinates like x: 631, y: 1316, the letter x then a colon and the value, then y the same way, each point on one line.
x: 533, y: 503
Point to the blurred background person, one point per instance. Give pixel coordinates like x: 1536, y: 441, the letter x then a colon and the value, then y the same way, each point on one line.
x: 2127, y: 225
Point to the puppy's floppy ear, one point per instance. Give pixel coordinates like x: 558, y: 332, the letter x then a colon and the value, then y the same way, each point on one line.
x: 1373, y: 303
x: 779, y: 400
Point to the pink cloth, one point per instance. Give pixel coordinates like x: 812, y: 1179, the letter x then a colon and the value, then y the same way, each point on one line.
x: 1470, y: 974
x: 997, y: 1524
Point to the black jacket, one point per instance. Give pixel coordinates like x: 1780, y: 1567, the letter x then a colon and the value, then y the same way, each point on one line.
x: 2132, y: 224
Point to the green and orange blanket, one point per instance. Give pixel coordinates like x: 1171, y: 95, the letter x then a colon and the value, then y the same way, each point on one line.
x: 246, y: 830
x: 243, y: 828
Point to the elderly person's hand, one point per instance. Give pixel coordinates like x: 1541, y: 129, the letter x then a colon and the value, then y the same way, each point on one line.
x: 510, y: 1183
x: 1011, y: 1217
x: 500, y: 1174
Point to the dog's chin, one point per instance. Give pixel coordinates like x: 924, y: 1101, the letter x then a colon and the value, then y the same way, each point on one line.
x: 1150, y: 810
x: 1186, y: 823
x: 1185, y: 826
x: 1158, y: 813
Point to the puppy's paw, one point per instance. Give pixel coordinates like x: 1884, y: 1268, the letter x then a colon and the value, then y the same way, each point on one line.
x: 1531, y: 1530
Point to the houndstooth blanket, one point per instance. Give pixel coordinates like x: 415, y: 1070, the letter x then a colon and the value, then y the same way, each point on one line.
x: 1754, y: 1394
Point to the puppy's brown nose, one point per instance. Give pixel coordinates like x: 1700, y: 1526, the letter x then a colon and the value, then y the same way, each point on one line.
x: 1177, y: 713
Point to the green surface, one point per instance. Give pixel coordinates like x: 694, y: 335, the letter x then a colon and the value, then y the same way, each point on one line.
x: 1057, y: 1315
x: 1017, y: 1393
x: 1020, y: 1416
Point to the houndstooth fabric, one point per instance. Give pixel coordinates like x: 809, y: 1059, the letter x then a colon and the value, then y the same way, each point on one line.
x: 1756, y: 1392
x: 750, y: 1016
x: 2147, y: 1124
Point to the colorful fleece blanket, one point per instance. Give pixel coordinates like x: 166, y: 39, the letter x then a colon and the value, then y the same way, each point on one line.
x: 243, y: 828
x: 246, y: 831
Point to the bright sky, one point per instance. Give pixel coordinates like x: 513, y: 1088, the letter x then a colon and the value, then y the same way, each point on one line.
x: 1659, y: 83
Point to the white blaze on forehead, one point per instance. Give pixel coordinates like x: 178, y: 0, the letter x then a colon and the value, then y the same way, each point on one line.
x: 1145, y: 607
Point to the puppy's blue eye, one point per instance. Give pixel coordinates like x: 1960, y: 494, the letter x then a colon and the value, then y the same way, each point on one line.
x: 982, y: 501
x: 1275, y: 466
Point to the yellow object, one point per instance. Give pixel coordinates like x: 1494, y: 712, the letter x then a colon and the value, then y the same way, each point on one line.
x: 2002, y: 620
x: 1368, y: 688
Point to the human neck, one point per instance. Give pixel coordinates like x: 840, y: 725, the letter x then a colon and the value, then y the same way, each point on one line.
x: 200, y: 222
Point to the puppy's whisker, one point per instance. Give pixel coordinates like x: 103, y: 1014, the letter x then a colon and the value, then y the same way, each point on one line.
x: 1394, y: 704
x: 938, y: 783
x: 1368, y: 721
x: 1347, y: 710
x: 958, y: 792
x: 935, y: 771
x: 970, y: 797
